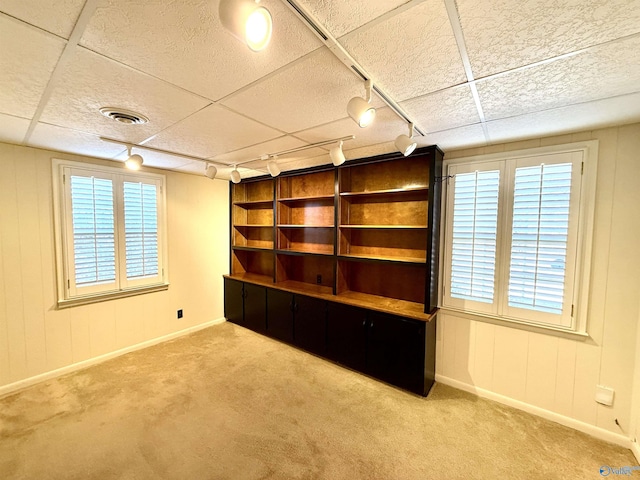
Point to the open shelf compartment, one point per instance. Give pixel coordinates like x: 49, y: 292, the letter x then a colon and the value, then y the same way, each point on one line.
x: 382, y: 281
x: 253, y: 262
x: 311, y: 240
x: 384, y: 244
x: 312, y: 270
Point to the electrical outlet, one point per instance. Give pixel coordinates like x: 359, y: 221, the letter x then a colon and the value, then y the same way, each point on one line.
x: 180, y: 313
x: 319, y: 279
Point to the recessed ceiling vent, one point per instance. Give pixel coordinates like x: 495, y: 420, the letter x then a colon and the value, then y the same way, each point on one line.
x: 123, y: 116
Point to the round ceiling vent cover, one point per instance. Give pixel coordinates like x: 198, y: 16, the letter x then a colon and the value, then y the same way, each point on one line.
x: 123, y: 116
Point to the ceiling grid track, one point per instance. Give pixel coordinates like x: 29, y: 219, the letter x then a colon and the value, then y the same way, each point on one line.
x: 454, y: 20
x: 74, y: 39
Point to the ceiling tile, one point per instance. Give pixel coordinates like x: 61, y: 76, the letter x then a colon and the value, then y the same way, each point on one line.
x: 468, y: 136
x: 57, y: 17
x: 28, y: 58
x: 347, y: 15
x: 272, y: 146
x: 586, y: 116
x: 212, y: 131
x: 450, y: 108
x: 605, y: 71
x: 52, y: 137
x: 89, y: 82
x: 185, y: 44
x: 12, y: 129
x: 410, y: 54
x: 311, y: 92
x: 504, y: 34
x: 385, y: 128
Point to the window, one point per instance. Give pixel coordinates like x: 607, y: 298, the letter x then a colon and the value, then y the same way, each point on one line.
x: 110, y: 232
x: 517, y: 236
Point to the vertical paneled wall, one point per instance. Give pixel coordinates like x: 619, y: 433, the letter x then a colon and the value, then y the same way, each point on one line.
x: 555, y: 373
x: 36, y: 337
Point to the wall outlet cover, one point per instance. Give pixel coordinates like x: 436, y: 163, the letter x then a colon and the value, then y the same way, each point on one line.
x: 604, y: 395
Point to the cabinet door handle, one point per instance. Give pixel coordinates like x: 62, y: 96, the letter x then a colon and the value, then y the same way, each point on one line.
x: 291, y: 305
x: 364, y: 323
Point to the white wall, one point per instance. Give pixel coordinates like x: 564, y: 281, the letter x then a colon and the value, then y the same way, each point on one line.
x: 635, y: 406
x: 36, y: 337
x: 555, y: 374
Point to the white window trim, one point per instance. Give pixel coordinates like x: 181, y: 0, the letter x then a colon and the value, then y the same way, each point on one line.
x: 581, y: 286
x: 65, y: 299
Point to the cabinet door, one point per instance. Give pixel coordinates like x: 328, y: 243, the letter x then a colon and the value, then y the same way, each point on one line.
x: 346, y: 335
x: 255, y: 307
x: 280, y: 315
x: 310, y: 324
x: 396, y: 350
x: 233, y: 301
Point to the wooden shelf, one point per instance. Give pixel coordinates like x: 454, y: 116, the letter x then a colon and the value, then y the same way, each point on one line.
x: 253, y: 225
x: 385, y: 304
x: 390, y: 191
x: 295, y: 251
x: 379, y: 227
x: 252, y: 278
x: 255, y: 204
x: 304, y: 226
x: 322, y: 198
x: 251, y: 249
x: 294, y: 286
x: 384, y: 258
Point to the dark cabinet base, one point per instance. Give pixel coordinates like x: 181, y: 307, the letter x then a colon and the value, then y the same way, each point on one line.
x: 394, y: 349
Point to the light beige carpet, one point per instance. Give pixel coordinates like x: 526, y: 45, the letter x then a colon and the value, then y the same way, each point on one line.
x: 226, y: 403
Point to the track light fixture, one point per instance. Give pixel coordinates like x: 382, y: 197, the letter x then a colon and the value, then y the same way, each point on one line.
x: 133, y: 162
x: 247, y: 21
x: 210, y: 171
x: 273, y: 167
x: 405, y: 144
x: 337, y: 155
x: 360, y: 110
x: 235, y: 175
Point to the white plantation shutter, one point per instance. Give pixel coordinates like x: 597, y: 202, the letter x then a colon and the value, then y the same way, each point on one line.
x: 141, y: 229
x: 512, y: 245
x: 539, y: 237
x: 475, y: 220
x: 110, y: 231
x: 93, y: 230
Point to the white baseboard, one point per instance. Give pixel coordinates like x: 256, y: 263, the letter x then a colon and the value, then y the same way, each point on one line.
x: 589, y: 429
x: 27, y: 382
x: 635, y: 448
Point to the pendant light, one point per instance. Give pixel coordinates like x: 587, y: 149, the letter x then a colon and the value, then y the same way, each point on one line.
x: 405, y: 144
x: 360, y: 110
x: 247, y: 21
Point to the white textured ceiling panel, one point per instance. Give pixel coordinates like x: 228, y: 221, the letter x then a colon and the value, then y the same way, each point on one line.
x: 27, y: 59
x: 461, y: 137
x: 347, y: 15
x: 12, y: 129
x: 283, y: 143
x: 606, y: 71
x: 310, y: 92
x: 410, y: 54
x: 89, y: 82
x: 185, y: 44
x: 57, y: 17
x: 385, y: 128
x: 212, y: 131
x: 591, y: 115
x: 52, y: 137
x: 443, y: 110
x: 504, y: 34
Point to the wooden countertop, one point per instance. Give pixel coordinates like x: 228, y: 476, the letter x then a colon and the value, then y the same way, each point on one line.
x: 402, y: 308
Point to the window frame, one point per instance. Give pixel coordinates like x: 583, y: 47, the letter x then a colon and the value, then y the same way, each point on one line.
x: 68, y: 294
x: 577, y: 289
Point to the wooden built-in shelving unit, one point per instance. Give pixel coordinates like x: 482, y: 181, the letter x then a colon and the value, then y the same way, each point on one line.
x: 364, y: 233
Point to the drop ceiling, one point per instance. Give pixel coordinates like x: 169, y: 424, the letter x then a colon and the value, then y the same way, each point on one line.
x: 466, y: 72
